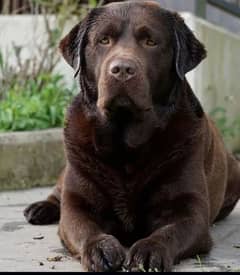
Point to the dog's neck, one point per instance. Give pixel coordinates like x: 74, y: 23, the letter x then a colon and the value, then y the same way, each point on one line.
x: 182, y: 116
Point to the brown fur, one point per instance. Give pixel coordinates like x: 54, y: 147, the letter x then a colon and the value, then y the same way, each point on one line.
x: 147, y: 172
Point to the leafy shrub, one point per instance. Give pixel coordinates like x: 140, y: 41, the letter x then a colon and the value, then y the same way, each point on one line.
x: 229, y: 129
x: 27, y: 108
x: 32, y: 95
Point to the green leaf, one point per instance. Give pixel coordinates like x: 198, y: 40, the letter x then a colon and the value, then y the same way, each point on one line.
x: 25, y: 107
x: 1, y: 60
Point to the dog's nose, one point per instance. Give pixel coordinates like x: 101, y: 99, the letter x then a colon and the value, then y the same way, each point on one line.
x: 122, y: 69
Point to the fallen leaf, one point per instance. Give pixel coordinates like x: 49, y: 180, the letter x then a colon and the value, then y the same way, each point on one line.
x: 38, y: 237
x: 55, y: 259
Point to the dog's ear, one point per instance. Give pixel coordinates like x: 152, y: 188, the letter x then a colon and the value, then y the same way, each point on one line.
x: 73, y: 44
x: 189, y: 51
x: 69, y: 45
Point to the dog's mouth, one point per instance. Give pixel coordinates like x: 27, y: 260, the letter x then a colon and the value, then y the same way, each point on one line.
x: 122, y: 116
x: 125, y: 126
x: 122, y: 111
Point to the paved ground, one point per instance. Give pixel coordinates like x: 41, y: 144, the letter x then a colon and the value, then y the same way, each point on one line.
x: 37, y: 248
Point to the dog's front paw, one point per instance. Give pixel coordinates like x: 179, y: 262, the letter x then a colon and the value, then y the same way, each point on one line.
x: 149, y: 255
x: 42, y: 212
x: 104, y: 253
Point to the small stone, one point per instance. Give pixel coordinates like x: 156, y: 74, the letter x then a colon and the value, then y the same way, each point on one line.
x: 41, y: 263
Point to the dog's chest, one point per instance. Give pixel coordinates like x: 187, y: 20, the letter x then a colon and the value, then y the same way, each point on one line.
x: 132, y: 201
x: 129, y: 194
x: 133, y: 216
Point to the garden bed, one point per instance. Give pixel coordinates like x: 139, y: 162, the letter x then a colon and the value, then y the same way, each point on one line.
x: 30, y: 159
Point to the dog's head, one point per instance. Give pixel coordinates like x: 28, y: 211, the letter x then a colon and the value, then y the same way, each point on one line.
x: 129, y: 56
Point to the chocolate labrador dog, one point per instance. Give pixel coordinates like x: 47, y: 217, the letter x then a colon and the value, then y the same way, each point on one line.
x: 147, y: 172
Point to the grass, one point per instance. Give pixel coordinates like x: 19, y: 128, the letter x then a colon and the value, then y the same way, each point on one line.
x: 199, y: 261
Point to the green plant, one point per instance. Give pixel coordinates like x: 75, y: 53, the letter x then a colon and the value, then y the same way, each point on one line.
x: 140, y: 268
x: 14, y: 69
x: 199, y: 262
x: 25, y: 108
x: 229, y: 129
x: 32, y: 95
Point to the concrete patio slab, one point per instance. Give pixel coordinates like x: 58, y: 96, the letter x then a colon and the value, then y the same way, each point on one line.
x: 37, y: 248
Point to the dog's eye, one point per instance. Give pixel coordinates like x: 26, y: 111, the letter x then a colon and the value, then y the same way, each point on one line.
x: 150, y: 42
x: 104, y: 40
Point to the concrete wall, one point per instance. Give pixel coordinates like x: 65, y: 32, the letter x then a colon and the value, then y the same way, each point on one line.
x: 178, y: 5
x: 30, y: 159
x: 213, y: 14
x: 215, y: 81
x: 223, y: 19
x: 29, y: 32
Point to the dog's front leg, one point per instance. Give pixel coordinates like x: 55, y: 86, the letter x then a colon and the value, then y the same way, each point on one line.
x: 185, y: 234
x: 81, y: 234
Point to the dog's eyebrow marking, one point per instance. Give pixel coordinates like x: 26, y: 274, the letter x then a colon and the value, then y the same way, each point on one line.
x: 110, y: 29
x: 143, y: 31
